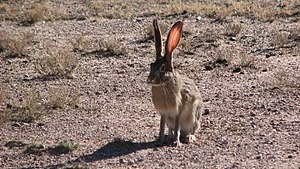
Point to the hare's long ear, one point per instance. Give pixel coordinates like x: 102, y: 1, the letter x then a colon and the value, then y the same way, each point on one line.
x: 172, y: 42
x: 157, y: 39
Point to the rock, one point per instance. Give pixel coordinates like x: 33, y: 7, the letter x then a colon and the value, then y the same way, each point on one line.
x: 236, y: 70
x: 208, y: 67
x: 123, y: 161
x: 130, y: 161
x: 252, y: 114
x: 232, y: 38
x: 206, y: 112
x: 199, y: 18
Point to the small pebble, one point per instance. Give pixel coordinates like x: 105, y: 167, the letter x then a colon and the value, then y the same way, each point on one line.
x: 206, y: 112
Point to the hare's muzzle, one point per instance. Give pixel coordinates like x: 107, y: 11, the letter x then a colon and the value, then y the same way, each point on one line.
x: 149, y: 80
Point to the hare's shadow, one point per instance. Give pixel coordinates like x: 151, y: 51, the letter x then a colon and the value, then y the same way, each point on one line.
x: 116, y: 148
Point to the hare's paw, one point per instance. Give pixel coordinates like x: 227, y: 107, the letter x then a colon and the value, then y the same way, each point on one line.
x: 177, y: 143
x: 191, y: 138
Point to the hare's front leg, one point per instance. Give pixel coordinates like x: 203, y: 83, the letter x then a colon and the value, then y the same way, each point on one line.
x: 177, y: 131
x: 162, y: 129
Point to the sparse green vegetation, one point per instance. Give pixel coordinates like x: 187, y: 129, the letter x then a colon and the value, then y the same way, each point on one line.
x: 35, y: 148
x: 63, y: 147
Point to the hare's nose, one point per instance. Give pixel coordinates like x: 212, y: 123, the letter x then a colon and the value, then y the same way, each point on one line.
x: 149, y: 81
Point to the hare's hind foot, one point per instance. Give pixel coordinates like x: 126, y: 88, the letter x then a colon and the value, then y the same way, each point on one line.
x: 166, y: 139
x: 188, y: 138
x: 177, y: 143
x: 191, y: 138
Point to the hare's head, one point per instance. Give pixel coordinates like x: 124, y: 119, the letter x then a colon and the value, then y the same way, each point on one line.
x: 162, y: 69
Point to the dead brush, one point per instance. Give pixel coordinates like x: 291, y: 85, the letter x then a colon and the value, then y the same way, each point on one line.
x: 246, y: 61
x: 148, y: 31
x: 294, y: 34
x: 283, y: 79
x: 81, y: 44
x: 37, y: 13
x: 281, y: 39
x: 186, y: 46
x: 112, y: 47
x: 222, y: 56
x: 56, y: 63
x: 27, y: 108
x: 209, y: 36
x: 243, y: 60
x: 16, y: 44
x: 2, y: 95
x: 232, y: 29
x: 4, y: 115
x: 60, y: 98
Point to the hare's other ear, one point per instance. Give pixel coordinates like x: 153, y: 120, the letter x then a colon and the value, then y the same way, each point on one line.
x: 157, y: 39
x: 173, y: 40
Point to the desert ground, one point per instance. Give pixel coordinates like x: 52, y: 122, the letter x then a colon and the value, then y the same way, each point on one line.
x: 73, y: 91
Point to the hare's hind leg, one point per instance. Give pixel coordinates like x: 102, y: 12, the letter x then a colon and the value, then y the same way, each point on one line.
x: 170, y: 134
x: 162, y: 129
x: 177, y: 132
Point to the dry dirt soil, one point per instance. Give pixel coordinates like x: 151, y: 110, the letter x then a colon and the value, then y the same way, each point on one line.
x: 247, y: 66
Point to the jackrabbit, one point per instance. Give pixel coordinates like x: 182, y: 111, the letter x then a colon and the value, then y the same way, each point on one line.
x: 175, y: 97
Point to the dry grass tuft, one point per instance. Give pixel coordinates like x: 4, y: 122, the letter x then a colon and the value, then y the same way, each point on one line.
x: 60, y: 98
x: 56, y: 63
x: 4, y: 115
x: 112, y: 47
x: 245, y: 61
x: 28, y: 13
x: 16, y: 44
x: 27, y: 108
x: 283, y: 79
x: 294, y: 34
x: 149, y: 34
x: 210, y: 36
x: 33, y: 104
x: 37, y: 13
x: 232, y: 29
x: 281, y: 39
x: 81, y: 44
x: 222, y: 56
x: 2, y: 95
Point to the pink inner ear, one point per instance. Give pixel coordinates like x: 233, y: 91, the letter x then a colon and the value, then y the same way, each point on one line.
x: 174, y: 37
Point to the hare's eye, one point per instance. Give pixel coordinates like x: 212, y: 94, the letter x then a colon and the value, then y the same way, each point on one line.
x: 162, y: 68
